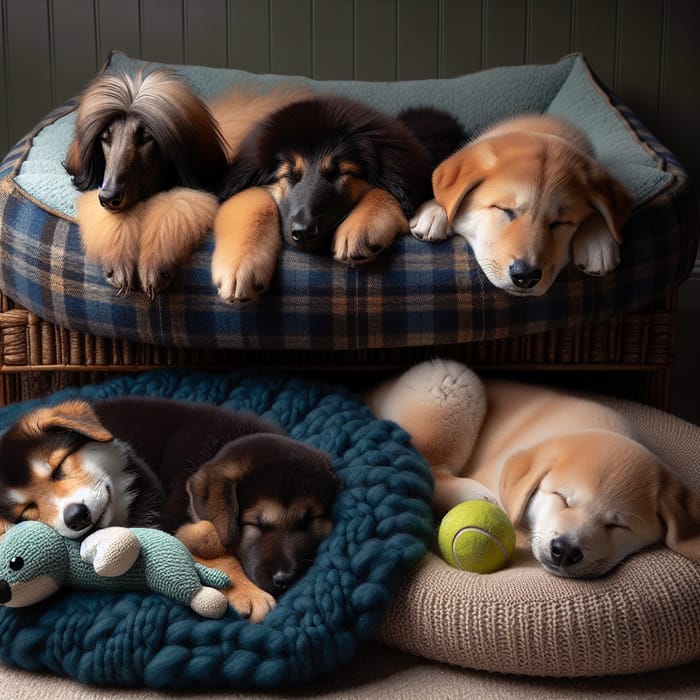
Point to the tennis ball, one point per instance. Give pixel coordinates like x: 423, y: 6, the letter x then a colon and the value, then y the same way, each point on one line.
x: 476, y: 536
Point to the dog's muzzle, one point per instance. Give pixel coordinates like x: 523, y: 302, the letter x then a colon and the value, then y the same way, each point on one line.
x: 77, y: 516
x: 564, y: 553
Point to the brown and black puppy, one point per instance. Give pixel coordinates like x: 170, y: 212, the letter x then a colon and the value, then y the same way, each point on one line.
x: 261, y: 496
x: 327, y: 175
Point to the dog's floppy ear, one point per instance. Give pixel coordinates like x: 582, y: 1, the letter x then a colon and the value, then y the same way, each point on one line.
x: 212, y: 491
x: 457, y: 176
x: 611, y: 200
x: 521, y: 476
x: 77, y: 416
x: 679, y: 509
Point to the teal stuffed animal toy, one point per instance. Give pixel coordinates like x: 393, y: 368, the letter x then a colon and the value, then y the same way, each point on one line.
x: 35, y: 561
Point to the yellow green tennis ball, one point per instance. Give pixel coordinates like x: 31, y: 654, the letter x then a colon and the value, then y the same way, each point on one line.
x: 476, y: 536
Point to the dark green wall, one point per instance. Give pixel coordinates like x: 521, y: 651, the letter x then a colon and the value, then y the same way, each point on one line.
x: 648, y: 51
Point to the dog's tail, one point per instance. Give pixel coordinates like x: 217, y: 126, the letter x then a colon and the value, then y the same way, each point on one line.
x: 239, y: 109
x: 440, y: 133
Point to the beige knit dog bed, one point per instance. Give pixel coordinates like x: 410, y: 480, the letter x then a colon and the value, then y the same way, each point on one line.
x: 644, y: 615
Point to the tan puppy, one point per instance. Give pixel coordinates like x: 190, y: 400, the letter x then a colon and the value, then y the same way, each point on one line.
x: 527, y: 194
x: 569, y: 470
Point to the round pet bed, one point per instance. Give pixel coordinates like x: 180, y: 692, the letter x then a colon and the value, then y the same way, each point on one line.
x: 645, y: 615
x: 382, y: 523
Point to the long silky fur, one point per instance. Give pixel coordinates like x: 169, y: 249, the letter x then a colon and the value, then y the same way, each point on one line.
x: 180, y: 122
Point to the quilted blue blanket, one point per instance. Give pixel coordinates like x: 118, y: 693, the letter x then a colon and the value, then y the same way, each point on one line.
x: 382, y: 522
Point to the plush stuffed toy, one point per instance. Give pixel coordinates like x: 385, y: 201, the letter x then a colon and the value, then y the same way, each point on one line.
x: 35, y: 561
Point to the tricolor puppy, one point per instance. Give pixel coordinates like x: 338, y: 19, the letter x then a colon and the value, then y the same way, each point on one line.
x: 242, y: 495
x: 528, y: 195
x: 571, y: 471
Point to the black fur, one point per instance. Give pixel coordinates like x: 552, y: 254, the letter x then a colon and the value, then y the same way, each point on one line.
x: 386, y: 153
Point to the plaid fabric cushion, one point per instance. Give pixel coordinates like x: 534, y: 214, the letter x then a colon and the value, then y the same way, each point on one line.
x: 418, y: 294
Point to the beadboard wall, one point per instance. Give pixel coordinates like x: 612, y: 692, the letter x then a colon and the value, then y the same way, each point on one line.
x: 647, y: 51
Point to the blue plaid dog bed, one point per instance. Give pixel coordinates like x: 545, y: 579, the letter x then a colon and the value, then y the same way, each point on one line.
x: 382, y: 522
x: 417, y: 294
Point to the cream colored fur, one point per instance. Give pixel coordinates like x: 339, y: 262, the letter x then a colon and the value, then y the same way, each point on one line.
x: 569, y: 470
x: 528, y: 196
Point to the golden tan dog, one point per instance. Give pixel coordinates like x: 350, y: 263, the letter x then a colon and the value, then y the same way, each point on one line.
x: 528, y: 195
x: 569, y: 470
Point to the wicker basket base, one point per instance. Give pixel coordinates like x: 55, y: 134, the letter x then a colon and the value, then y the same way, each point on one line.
x: 629, y: 356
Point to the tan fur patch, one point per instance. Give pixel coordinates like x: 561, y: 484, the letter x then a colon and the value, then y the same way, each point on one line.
x: 239, y: 109
x: 372, y: 226
x: 248, y: 243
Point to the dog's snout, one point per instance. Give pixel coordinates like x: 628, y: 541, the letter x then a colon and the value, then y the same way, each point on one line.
x: 111, y: 198
x: 564, y: 553
x: 303, y: 231
x: 76, y: 516
x: 282, y: 579
x: 524, y: 275
x: 5, y: 592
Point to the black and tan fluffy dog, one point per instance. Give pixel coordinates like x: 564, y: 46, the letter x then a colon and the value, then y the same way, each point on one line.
x: 324, y: 174
x: 226, y: 482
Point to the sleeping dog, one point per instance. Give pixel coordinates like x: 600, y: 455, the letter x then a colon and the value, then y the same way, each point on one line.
x: 569, y: 470
x: 227, y: 483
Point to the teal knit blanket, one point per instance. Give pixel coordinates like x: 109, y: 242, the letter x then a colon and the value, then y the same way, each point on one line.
x: 382, y: 522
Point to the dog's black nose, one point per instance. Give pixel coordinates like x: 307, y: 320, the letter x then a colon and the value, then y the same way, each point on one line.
x: 76, y: 516
x: 110, y: 198
x: 564, y: 553
x: 303, y: 234
x: 282, y: 580
x: 5, y: 592
x: 524, y: 275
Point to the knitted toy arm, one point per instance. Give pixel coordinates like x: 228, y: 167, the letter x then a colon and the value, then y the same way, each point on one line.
x: 112, y: 550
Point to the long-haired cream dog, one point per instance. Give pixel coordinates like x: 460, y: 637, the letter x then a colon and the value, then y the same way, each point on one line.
x: 569, y: 470
x: 147, y: 152
x: 528, y: 196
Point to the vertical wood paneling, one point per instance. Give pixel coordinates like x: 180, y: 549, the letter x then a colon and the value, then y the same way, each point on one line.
x: 28, y: 74
x: 249, y: 35
x: 162, y: 30
x: 334, y: 39
x: 205, y: 33
x: 118, y: 27
x: 645, y: 50
x: 5, y: 135
x: 74, y: 62
x: 375, y: 39
x: 461, y: 38
x: 595, y: 35
x: 290, y: 37
x: 639, y: 69
x: 417, y: 39
x: 504, y: 32
x: 679, y: 99
x: 548, y: 30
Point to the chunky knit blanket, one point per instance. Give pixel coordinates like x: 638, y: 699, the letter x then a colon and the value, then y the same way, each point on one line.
x: 382, y: 522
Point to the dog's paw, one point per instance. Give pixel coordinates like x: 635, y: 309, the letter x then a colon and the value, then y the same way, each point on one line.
x: 593, y: 248
x: 121, y: 274
x: 248, y: 243
x: 112, y: 551
x: 110, y: 239
x: 241, y: 280
x: 249, y: 601
x: 175, y: 223
x: 371, y: 227
x: 430, y: 223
